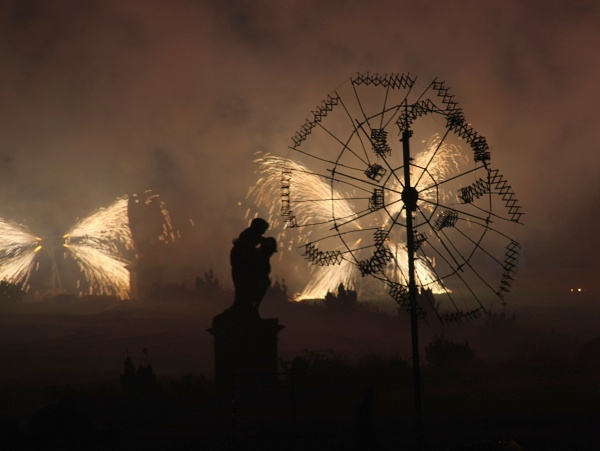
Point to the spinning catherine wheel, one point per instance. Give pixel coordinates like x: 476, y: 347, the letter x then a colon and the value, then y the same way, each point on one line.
x: 394, y: 182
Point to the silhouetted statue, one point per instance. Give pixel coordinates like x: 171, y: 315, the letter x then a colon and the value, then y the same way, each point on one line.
x: 261, y: 270
x: 244, y: 342
x: 250, y: 268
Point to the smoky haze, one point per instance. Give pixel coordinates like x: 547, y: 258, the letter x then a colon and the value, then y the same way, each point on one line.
x: 106, y: 98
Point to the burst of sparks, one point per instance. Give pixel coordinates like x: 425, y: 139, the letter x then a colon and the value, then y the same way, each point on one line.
x: 168, y: 233
x: 447, y: 162
x: 268, y: 187
x: 18, y: 249
x: 328, y: 278
x: 312, y: 202
x: 314, y: 199
x: 96, y: 243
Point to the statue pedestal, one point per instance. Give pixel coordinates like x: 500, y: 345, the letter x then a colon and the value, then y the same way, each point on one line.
x: 245, y: 346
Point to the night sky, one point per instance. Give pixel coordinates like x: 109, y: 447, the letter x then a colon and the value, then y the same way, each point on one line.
x: 101, y: 98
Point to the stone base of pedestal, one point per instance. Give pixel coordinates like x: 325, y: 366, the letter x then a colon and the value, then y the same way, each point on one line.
x: 244, y: 346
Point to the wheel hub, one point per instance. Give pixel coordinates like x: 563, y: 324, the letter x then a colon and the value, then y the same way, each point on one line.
x: 410, y: 196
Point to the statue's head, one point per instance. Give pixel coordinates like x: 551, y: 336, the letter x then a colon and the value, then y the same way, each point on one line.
x: 259, y: 224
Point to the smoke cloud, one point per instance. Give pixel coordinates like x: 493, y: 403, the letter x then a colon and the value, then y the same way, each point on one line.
x: 105, y: 98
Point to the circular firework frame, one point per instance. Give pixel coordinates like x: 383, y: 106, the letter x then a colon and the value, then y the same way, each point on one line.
x: 399, y: 182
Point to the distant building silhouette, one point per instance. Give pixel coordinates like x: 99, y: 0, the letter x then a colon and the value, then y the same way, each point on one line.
x: 146, y: 221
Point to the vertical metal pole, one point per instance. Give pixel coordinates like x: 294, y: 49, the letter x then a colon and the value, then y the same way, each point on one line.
x: 410, y: 196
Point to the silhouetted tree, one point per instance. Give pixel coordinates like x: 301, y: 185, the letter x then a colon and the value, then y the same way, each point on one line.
x: 208, y: 284
x: 10, y: 293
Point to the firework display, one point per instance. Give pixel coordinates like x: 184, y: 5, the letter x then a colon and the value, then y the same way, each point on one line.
x: 97, y: 243
x: 102, y: 245
x: 351, y: 182
x: 18, y: 249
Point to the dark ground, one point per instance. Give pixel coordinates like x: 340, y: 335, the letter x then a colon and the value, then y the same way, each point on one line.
x: 61, y: 364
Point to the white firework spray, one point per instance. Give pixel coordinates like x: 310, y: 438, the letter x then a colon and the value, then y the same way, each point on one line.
x: 314, y: 198
x: 97, y: 243
x: 313, y: 187
x: 447, y: 162
x: 18, y: 249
